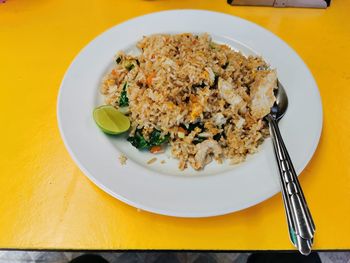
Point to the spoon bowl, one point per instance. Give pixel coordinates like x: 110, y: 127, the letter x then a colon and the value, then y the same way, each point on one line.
x: 281, y: 104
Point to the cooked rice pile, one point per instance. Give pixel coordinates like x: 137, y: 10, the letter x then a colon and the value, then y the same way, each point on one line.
x: 206, y: 99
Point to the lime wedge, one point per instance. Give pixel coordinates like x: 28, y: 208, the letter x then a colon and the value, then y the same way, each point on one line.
x: 110, y: 120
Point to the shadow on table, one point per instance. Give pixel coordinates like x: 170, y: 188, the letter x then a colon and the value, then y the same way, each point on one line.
x: 281, y: 257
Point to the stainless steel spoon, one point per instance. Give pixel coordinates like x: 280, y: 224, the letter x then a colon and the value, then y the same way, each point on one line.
x: 300, y: 223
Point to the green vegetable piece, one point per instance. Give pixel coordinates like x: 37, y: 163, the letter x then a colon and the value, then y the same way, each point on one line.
x: 123, y: 100
x: 201, y: 85
x: 217, y: 136
x: 156, y: 139
x: 192, y: 126
x: 225, y: 65
x: 138, y: 141
x: 216, y: 80
x: 197, y: 140
x: 129, y: 66
x: 118, y: 60
x: 212, y: 45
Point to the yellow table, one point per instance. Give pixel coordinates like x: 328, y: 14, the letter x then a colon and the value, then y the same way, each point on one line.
x: 47, y: 203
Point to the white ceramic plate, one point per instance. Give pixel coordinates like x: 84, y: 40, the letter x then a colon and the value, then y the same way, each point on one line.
x: 162, y: 188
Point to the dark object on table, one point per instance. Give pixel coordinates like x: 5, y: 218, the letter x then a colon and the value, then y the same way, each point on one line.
x: 283, y: 3
x: 89, y: 258
x: 276, y: 257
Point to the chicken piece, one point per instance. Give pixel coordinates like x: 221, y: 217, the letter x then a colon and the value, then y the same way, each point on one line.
x: 228, y: 93
x: 204, y: 149
x: 211, y: 75
x: 219, y: 119
x: 262, y: 95
x: 240, y: 123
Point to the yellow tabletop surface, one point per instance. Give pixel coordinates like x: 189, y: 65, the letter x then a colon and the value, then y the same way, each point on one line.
x: 46, y: 202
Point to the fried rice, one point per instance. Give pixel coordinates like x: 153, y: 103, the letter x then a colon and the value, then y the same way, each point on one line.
x: 203, y: 99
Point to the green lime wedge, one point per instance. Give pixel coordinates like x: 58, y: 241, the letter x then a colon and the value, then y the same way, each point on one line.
x: 110, y: 120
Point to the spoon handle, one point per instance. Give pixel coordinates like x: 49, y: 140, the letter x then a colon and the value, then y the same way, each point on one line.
x: 301, y: 225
